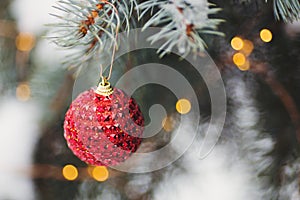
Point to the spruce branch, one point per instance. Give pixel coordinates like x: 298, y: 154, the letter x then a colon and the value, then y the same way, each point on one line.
x: 90, y: 26
x: 183, y: 22
x: 287, y: 10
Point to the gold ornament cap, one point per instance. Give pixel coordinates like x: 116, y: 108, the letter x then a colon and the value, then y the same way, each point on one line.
x: 104, y: 88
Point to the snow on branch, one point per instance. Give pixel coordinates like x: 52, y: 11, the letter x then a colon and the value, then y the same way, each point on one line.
x: 90, y: 25
x: 183, y: 22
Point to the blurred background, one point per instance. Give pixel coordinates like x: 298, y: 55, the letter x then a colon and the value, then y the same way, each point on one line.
x: 257, y: 156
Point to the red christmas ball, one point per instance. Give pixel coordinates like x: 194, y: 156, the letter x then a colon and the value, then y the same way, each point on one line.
x: 103, y: 130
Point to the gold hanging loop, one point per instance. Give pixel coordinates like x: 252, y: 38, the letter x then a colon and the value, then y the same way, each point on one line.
x: 104, y: 88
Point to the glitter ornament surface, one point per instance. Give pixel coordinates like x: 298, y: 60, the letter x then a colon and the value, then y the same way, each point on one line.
x: 103, y: 130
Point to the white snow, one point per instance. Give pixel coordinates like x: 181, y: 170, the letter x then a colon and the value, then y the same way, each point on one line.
x: 32, y: 15
x: 19, y: 131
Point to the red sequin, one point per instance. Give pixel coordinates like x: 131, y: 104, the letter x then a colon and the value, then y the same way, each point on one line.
x: 103, y: 130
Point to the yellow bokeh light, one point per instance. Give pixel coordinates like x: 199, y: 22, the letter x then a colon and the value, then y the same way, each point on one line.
x: 100, y: 173
x: 183, y: 106
x: 23, y: 92
x: 239, y: 59
x: 266, y: 35
x: 245, y: 66
x: 70, y: 172
x: 237, y: 43
x: 25, y: 41
x: 247, y: 48
x: 168, y: 124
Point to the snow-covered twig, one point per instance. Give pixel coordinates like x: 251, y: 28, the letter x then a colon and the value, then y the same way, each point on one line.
x: 183, y: 22
x: 90, y: 26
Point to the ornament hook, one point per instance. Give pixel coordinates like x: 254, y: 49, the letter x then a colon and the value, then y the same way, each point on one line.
x: 104, y: 88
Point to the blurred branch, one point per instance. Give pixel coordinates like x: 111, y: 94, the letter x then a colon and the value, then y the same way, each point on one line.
x: 55, y: 172
x: 8, y: 29
x: 281, y: 92
x: 262, y: 68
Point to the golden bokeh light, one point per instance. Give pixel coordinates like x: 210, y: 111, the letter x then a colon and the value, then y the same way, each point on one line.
x: 245, y: 66
x: 70, y: 172
x: 239, y: 59
x: 266, y: 35
x: 25, y: 41
x: 183, y: 106
x: 247, y: 48
x: 23, y: 92
x: 237, y: 43
x: 168, y: 124
x: 100, y: 173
